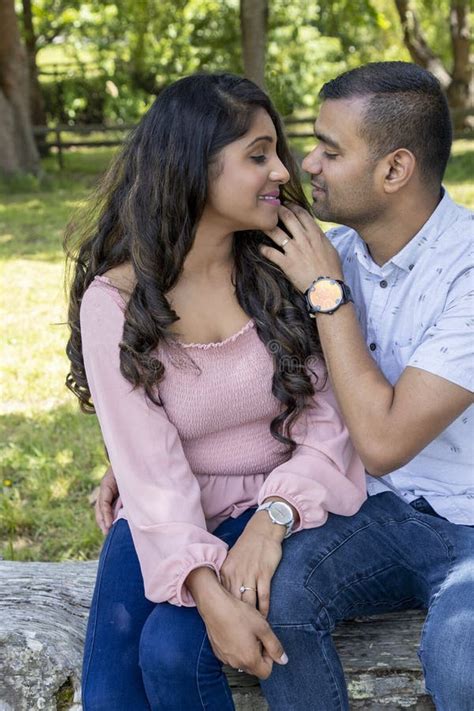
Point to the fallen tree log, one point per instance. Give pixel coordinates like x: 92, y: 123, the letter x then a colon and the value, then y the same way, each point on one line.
x: 43, y: 614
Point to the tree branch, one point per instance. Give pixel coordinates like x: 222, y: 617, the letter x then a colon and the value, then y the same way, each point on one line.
x: 415, y: 42
x: 459, y: 26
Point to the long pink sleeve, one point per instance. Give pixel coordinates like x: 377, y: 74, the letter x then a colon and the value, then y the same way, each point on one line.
x: 324, y: 474
x: 160, y: 494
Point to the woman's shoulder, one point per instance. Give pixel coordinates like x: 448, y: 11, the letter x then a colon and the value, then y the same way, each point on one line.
x: 122, y: 278
x: 114, y: 286
x: 102, y: 313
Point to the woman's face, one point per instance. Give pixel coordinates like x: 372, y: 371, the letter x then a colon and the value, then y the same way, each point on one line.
x: 245, y: 194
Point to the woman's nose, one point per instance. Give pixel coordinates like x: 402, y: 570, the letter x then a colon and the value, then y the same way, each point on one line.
x: 279, y: 173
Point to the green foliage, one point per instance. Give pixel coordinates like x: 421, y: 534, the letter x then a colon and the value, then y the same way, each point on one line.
x: 122, y: 53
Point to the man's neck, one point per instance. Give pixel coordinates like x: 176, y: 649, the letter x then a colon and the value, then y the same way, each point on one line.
x: 395, y: 228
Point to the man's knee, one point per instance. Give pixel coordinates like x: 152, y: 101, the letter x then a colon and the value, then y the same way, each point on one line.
x: 447, y: 657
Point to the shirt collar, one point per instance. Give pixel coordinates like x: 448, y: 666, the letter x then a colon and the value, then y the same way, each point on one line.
x: 442, y: 217
x: 407, y: 257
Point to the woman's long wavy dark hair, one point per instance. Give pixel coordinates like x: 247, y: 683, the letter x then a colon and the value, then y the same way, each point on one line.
x: 146, y: 211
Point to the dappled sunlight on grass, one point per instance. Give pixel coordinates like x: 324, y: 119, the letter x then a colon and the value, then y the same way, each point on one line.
x: 52, y: 462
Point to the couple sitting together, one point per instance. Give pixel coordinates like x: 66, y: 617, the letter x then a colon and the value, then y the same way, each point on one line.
x: 286, y: 413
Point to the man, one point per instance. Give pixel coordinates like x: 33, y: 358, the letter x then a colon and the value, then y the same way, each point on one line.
x: 399, y: 358
x: 394, y: 315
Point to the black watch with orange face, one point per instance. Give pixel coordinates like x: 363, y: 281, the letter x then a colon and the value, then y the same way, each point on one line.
x: 326, y: 295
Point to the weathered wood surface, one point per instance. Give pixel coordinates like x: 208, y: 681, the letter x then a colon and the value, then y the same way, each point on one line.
x: 43, y: 613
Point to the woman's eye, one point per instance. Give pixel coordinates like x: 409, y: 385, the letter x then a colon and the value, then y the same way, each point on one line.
x: 331, y: 156
x: 259, y: 159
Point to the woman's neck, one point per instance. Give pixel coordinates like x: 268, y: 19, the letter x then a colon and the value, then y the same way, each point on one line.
x: 211, y: 254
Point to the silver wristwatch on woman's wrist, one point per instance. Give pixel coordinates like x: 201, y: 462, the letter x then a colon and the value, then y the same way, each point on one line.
x: 280, y: 513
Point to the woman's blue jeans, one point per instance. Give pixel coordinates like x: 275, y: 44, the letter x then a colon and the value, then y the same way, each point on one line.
x: 140, y: 655
x: 389, y: 556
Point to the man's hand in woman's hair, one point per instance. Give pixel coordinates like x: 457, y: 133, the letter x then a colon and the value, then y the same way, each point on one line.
x: 104, y: 505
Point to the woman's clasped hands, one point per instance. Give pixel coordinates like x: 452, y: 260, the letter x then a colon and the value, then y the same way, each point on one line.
x: 235, y: 620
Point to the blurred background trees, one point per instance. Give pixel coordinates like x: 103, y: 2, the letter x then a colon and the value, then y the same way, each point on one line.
x: 100, y: 61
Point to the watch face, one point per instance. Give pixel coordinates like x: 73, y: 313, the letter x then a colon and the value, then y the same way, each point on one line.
x: 325, y: 295
x: 281, y: 513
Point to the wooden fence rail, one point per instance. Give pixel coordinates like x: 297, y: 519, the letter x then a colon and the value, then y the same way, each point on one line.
x: 61, y: 144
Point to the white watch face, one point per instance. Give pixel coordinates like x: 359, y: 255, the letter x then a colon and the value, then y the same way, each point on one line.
x: 281, y: 513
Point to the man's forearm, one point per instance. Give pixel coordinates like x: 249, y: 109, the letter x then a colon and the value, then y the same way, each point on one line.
x: 363, y: 393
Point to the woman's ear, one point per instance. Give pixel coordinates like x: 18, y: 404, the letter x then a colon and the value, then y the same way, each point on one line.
x: 398, y: 168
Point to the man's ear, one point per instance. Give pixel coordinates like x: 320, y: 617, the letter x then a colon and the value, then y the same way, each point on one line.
x: 397, y: 169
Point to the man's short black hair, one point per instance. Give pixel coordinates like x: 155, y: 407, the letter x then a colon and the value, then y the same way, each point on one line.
x: 406, y: 108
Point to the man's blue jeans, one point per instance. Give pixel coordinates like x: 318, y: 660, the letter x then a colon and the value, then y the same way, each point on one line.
x: 389, y: 556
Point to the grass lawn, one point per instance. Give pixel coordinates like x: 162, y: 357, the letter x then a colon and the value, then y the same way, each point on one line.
x: 52, y: 455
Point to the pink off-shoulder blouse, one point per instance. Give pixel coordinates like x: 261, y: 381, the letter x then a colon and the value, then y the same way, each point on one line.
x: 207, y: 454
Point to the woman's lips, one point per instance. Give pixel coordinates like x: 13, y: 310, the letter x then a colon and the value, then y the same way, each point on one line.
x: 270, y: 199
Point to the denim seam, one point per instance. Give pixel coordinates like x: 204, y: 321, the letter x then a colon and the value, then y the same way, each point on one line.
x: 368, y: 577
x: 85, y: 673
x: 197, y: 671
x: 354, y: 533
x: 226, y: 689
x: 331, y: 673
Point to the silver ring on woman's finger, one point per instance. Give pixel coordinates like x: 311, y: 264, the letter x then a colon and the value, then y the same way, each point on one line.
x: 243, y: 588
x: 285, y: 241
x: 240, y: 670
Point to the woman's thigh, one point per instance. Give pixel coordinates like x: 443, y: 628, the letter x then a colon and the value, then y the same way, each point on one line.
x: 111, y: 675
x: 180, y: 669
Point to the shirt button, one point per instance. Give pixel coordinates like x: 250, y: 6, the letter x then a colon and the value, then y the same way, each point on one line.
x: 383, y: 284
x: 410, y: 266
x: 373, y: 346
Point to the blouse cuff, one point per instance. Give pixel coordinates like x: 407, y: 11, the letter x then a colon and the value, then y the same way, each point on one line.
x: 165, y: 581
x: 183, y: 595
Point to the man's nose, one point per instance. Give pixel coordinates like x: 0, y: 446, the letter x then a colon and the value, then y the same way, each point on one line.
x: 311, y: 163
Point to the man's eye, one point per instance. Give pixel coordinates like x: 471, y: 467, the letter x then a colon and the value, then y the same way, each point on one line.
x: 259, y: 159
x: 331, y: 156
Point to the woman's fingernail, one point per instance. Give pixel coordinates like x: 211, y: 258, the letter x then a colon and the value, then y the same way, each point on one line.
x: 283, y: 659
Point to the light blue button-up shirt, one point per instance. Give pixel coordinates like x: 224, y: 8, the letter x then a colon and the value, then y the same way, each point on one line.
x: 417, y: 310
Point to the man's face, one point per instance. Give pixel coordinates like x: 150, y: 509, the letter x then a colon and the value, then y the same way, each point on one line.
x: 342, y: 170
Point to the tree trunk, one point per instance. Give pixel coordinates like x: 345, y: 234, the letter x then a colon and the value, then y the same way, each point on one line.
x: 38, y: 114
x: 460, y: 89
x: 456, y: 84
x: 253, y: 24
x: 17, y: 146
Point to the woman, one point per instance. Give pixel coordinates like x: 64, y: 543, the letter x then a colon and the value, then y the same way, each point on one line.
x: 203, y: 367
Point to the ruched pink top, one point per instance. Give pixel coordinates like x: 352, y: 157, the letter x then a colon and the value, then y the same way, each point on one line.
x: 208, y: 453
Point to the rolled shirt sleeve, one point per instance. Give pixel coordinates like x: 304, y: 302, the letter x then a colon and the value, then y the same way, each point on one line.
x: 160, y: 494
x: 325, y: 474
